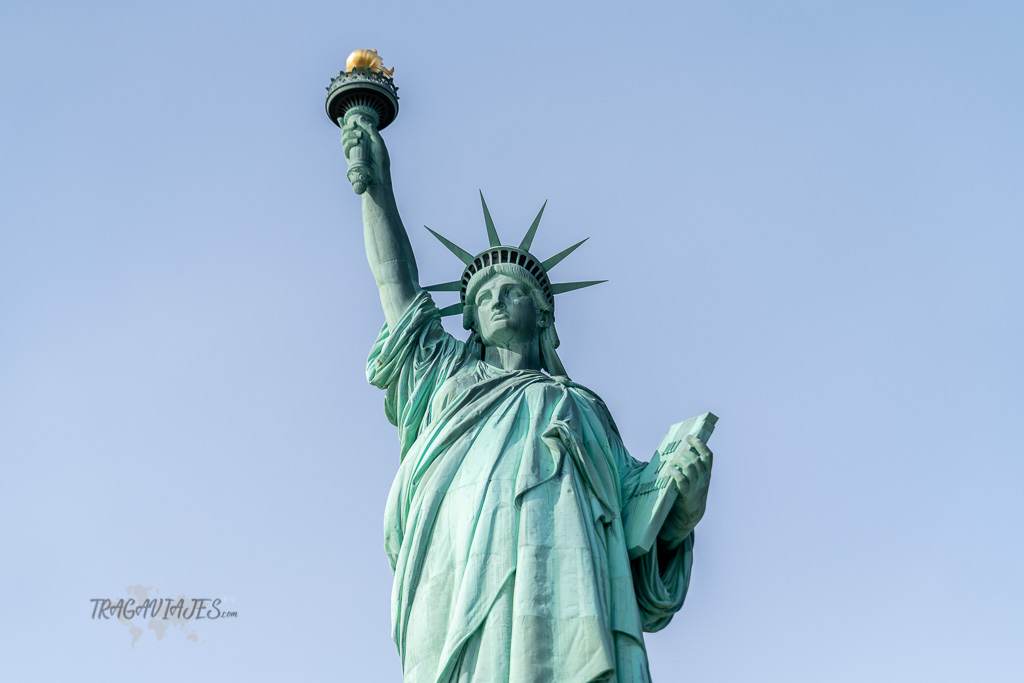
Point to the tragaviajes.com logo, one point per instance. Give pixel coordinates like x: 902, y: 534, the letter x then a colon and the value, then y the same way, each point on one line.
x: 141, y: 612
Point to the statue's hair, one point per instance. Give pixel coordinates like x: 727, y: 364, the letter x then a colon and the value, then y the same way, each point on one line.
x: 548, y: 337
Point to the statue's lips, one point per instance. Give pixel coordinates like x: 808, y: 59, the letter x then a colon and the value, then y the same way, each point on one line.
x: 500, y: 316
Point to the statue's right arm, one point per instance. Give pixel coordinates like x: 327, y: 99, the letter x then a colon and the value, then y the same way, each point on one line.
x: 387, y: 244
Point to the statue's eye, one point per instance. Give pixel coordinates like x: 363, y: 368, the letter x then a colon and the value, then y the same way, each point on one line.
x: 484, y: 297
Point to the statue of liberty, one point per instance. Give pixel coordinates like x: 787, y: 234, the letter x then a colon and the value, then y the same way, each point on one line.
x: 506, y: 525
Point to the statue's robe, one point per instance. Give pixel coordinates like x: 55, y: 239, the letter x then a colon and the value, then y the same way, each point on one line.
x: 504, y: 523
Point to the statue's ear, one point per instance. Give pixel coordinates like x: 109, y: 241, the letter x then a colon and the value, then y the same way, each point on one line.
x: 543, y: 319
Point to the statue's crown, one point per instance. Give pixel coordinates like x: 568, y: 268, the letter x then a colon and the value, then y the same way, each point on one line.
x: 498, y: 253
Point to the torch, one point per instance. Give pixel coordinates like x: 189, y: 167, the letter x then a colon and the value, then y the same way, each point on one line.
x: 365, y: 88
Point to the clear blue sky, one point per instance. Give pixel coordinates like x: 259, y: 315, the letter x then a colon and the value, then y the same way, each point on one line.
x: 811, y: 218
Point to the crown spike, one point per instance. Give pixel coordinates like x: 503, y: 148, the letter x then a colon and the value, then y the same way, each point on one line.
x: 454, y: 309
x: 463, y: 255
x: 563, y: 287
x: 453, y: 286
x: 557, y: 258
x: 492, y: 234
x: 528, y: 240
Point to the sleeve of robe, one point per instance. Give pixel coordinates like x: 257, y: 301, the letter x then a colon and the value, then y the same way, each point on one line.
x: 411, y: 361
x: 660, y: 579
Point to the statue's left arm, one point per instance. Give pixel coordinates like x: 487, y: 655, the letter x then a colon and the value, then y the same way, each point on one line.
x: 661, y: 576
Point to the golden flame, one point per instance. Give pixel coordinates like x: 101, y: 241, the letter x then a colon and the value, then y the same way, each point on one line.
x: 367, y: 59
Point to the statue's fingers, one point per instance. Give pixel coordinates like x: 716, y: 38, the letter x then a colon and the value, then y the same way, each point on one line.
x: 371, y: 128
x: 674, y: 470
x: 375, y: 135
x: 682, y: 462
x: 368, y: 126
x: 700, y: 466
x: 686, y: 464
x: 696, y: 444
x: 348, y: 144
x: 353, y: 124
x: 351, y: 128
x: 699, y: 446
x: 682, y: 483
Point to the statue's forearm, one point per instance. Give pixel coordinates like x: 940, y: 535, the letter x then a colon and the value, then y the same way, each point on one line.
x: 389, y: 252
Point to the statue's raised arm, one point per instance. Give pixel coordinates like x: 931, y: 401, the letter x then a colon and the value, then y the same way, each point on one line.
x: 387, y: 244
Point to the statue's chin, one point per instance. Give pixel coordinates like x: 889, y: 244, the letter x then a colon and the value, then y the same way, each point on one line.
x: 506, y: 336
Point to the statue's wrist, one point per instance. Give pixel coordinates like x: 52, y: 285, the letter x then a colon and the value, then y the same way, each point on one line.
x: 680, y: 522
x: 381, y: 193
x: 672, y: 538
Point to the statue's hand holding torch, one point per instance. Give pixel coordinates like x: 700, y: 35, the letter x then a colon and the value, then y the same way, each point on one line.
x: 365, y: 151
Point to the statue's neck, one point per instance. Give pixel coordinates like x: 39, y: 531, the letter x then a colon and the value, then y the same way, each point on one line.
x: 524, y: 356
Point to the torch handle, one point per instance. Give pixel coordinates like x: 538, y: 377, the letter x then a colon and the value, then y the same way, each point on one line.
x: 360, y: 166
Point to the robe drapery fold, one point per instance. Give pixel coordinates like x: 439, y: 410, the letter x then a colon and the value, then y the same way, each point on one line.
x: 503, y: 526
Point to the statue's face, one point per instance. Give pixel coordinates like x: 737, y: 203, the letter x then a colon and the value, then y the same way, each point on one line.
x: 506, y: 313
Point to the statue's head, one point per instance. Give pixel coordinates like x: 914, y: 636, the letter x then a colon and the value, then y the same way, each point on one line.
x: 505, y: 294
x: 506, y: 306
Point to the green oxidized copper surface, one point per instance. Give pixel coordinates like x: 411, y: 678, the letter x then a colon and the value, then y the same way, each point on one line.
x: 365, y: 87
x: 526, y: 543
